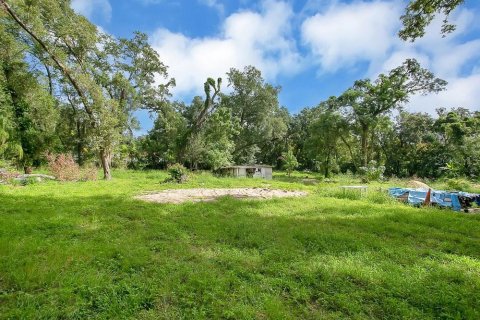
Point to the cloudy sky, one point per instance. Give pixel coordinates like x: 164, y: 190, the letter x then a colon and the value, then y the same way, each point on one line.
x: 311, y: 48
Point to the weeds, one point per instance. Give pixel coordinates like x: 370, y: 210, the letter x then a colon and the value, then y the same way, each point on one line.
x: 64, y: 168
x: 89, y: 250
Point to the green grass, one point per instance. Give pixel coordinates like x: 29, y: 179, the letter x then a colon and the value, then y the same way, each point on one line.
x: 90, y: 251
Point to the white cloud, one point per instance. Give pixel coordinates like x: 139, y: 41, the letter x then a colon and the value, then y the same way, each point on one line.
x: 215, y: 4
x: 345, y: 34
x: 450, y: 58
x: 261, y: 39
x: 341, y: 36
x: 93, y: 8
x: 461, y: 92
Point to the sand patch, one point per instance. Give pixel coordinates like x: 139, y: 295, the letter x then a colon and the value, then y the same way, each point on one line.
x: 201, y: 194
x: 418, y: 185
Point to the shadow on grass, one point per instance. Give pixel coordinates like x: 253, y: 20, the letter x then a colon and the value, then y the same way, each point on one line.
x: 286, y: 258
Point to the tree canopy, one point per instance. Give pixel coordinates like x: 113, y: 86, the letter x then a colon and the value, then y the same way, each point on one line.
x: 67, y: 87
x: 420, y: 13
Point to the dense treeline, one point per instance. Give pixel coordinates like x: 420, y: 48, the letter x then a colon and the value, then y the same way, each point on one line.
x: 66, y: 87
x: 329, y: 138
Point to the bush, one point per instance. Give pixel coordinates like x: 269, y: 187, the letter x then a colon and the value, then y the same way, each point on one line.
x: 290, y: 161
x: 459, y: 184
x: 90, y: 173
x: 7, y: 176
x: 64, y: 168
x: 372, y: 172
x: 29, y: 181
x: 178, y: 173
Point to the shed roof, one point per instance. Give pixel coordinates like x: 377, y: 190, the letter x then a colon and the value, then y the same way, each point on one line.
x: 248, y: 166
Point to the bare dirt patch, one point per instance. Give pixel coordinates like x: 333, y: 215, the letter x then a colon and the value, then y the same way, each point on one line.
x: 201, y: 194
x: 418, y: 185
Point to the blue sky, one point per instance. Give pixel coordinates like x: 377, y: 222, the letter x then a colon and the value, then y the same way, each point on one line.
x: 312, y: 48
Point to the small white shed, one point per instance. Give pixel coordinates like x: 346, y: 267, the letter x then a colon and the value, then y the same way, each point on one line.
x: 249, y: 171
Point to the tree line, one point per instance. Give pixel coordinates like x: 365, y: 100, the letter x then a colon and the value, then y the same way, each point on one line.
x: 67, y: 87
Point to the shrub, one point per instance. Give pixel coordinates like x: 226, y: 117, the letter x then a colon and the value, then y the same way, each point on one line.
x: 290, y: 161
x: 90, y: 173
x: 372, y: 172
x: 29, y: 181
x: 7, y: 176
x: 459, y: 184
x: 178, y: 173
x: 63, y: 167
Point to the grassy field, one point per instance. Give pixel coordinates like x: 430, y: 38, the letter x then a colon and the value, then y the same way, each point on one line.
x: 88, y: 250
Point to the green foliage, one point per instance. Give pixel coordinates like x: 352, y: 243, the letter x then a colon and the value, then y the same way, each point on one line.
x: 28, y: 181
x: 459, y: 184
x: 372, y: 172
x: 178, y: 173
x: 366, y: 102
x: 420, y: 13
x: 90, y: 250
x: 104, y: 79
x: 324, y: 135
x: 219, y: 146
x: 27, y: 111
x: 262, y: 124
x: 67, y: 87
x: 290, y: 161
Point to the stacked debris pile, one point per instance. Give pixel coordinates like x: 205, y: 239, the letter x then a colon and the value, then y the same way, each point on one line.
x: 448, y: 199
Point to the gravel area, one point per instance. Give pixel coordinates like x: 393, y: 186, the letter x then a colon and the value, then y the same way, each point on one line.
x: 201, y: 194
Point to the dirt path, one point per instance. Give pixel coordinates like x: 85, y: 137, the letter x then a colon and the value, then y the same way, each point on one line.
x: 198, y: 195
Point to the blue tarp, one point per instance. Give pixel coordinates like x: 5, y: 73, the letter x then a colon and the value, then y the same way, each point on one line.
x: 438, y: 197
x: 446, y: 199
x: 417, y: 196
x: 397, y: 192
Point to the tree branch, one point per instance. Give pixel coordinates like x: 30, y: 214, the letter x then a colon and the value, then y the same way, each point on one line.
x: 62, y: 67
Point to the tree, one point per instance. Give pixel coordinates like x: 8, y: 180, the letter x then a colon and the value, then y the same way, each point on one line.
x: 164, y: 141
x: 290, y: 161
x: 74, y: 131
x: 6, y: 115
x: 194, y: 145
x: 126, y: 71
x: 366, y: 101
x: 277, y: 140
x: 108, y: 78
x: 218, y: 134
x: 210, y: 103
x: 459, y: 132
x: 254, y: 105
x: 299, y: 133
x: 420, y: 13
x: 324, y: 134
x: 27, y: 110
x: 411, y: 138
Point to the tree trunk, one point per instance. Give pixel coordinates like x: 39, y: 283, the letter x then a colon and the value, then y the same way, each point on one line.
x: 106, y: 158
x: 79, y: 154
x: 354, y: 160
x: 327, y: 166
x: 79, y: 144
x: 365, y: 145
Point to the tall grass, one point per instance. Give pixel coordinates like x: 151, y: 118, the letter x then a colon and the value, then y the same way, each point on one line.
x: 88, y: 250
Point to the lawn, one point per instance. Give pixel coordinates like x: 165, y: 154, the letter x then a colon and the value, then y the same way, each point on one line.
x: 88, y: 250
